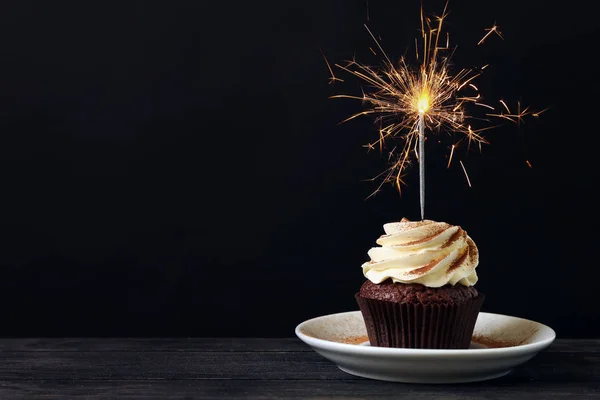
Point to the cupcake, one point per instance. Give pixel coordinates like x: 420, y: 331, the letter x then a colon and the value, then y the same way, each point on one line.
x: 419, y: 291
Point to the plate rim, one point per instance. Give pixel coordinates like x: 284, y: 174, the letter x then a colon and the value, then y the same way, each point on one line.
x: 392, y: 351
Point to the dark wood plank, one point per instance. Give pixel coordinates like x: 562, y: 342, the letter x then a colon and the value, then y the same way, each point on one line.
x: 166, y: 365
x: 154, y: 344
x: 258, y: 390
x: 546, y: 366
x: 575, y: 346
x: 257, y: 369
x: 212, y: 344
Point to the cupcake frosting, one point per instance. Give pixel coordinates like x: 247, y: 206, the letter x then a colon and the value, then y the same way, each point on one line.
x: 431, y: 253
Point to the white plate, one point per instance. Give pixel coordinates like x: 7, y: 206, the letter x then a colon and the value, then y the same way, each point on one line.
x: 500, y: 343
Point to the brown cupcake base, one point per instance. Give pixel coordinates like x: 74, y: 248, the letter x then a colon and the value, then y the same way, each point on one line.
x: 417, y: 325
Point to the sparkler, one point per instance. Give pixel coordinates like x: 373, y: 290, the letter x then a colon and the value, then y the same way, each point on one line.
x: 408, y: 101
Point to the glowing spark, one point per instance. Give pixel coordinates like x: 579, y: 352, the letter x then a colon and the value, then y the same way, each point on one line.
x: 369, y: 147
x: 493, y: 29
x: 333, y: 77
x: 485, y: 105
x: 391, y: 153
x: 451, y: 154
x: 423, y: 104
x: 465, y: 171
x: 528, y: 163
x: 408, y: 100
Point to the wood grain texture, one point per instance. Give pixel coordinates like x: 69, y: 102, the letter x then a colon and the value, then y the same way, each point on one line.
x: 100, y: 368
x: 157, y: 344
x: 255, y: 390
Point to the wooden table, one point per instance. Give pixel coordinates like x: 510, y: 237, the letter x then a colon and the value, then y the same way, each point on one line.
x: 257, y: 369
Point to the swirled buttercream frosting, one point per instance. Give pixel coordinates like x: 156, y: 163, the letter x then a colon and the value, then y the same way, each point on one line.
x: 431, y: 253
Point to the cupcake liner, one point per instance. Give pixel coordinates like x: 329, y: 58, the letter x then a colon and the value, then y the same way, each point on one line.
x: 430, y: 326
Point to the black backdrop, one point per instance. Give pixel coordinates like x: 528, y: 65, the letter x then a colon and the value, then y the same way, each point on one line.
x: 177, y: 168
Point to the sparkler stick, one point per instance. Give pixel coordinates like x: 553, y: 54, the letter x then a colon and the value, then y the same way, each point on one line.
x: 407, y: 102
x: 421, y: 125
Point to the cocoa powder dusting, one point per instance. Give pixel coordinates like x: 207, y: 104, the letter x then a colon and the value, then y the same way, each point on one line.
x: 494, y: 343
x: 344, y: 339
x: 473, y: 251
x: 354, y: 339
x: 431, y: 235
x: 415, y: 224
x: 455, y: 236
x: 487, y: 342
x: 458, y: 262
x: 426, y: 268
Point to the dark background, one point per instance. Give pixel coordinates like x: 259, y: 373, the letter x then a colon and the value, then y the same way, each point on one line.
x: 177, y: 168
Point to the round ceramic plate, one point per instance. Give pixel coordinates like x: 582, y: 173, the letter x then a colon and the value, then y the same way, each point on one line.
x: 500, y: 343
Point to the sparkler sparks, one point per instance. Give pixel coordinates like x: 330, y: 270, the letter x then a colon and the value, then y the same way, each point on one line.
x: 407, y: 101
x: 493, y: 29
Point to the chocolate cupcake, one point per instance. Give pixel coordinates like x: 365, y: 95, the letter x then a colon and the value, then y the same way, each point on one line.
x: 420, y: 289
